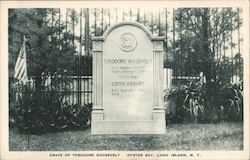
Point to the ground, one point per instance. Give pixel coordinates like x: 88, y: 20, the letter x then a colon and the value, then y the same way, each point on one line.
x: 220, y: 136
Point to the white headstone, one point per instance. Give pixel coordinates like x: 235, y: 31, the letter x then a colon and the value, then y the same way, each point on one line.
x: 128, y: 81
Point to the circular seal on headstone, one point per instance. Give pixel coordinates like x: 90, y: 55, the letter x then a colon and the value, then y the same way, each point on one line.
x: 128, y: 42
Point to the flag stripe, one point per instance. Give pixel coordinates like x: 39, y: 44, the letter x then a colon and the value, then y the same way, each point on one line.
x: 19, y: 69
x: 24, y: 77
x: 21, y: 66
x: 22, y: 70
x: 20, y: 56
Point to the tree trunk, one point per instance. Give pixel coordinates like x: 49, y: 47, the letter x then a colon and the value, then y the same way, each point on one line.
x: 87, y: 36
x: 208, y: 63
x: 73, y: 28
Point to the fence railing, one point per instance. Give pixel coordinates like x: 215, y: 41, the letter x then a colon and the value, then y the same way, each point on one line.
x: 68, y: 86
x: 82, y: 96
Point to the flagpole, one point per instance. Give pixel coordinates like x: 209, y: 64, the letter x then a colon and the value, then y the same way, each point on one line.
x: 29, y: 109
x: 23, y: 61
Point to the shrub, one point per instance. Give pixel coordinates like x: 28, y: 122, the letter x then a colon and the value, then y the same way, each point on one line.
x: 12, y: 103
x: 47, y: 110
x: 173, y: 102
x: 229, y: 102
x: 48, y: 113
x: 191, y: 104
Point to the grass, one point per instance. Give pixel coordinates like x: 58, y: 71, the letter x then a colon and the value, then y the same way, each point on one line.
x: 221, y: 136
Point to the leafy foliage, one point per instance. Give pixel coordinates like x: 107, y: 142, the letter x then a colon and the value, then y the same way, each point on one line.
x: 187, y: 103
x: 204, y: 37
x: 200, y: 30
x: 38, y: 119
x: 43, y: 111
x: 47, y: 50
x: 227, y: 106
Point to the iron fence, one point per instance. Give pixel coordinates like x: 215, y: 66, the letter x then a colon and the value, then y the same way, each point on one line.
x: 66, y: 86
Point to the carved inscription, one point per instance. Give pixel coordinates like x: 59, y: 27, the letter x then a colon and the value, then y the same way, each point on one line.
x: 128, y: 72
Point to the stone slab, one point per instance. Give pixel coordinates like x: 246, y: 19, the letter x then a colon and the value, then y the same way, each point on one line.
x: 128, y: 127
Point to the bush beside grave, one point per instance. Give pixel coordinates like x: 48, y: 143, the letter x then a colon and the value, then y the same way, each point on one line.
x: 227, y: 104
x: 45, y: 111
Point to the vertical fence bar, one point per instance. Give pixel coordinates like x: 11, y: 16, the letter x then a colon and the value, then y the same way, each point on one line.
x: 73, y: 29
x: 77, y: 82
x: 130, y: 14
x: 224, y: 38
x: 84, y: 89
x: 166, y: 50
x: 138, y: 15
x: 79, y: 59
x: 76, y: 92
x: 70, y: 90
x: 215, y: 50
x: 59, y: 25
x: 88, y: 88
x: 216, y: 54
x: 159, y: 21
x: 91, y: 82
x: 116, y: 16
x: 102, y: 21
x: 87, y: 30
x: 181, y: 47
x: 152, y: 22
x: 66, y: 24
x: 73, y: 92
x: 175, y: 65
x: 109, y: 16
x: 239, y: 36
x: 95, y: 22
x: 76, y: 79
x: 123, y: 16
x: 221, y: 47
x: 166, y: 30
x: 220, y: 58
x: 144, y: 17
x: 231, y: 34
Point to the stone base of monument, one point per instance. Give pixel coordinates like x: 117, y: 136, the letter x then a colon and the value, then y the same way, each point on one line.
x: 155, y: 126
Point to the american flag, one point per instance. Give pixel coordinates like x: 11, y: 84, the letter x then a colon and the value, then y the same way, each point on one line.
x: 21, y: 65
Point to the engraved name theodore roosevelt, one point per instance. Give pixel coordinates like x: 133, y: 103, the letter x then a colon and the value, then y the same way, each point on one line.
x: 127, y: 42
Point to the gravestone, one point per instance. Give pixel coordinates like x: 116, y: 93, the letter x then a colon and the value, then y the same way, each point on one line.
x: 128, y: 81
